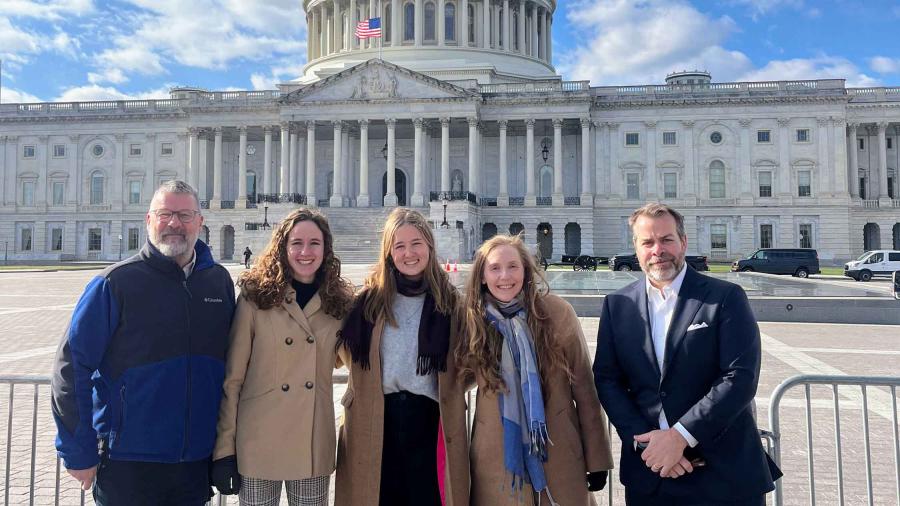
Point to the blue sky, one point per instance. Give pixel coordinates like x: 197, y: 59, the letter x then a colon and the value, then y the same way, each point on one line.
x: 63, y: 50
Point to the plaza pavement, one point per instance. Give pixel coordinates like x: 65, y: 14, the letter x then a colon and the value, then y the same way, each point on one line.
x: 35, y: 308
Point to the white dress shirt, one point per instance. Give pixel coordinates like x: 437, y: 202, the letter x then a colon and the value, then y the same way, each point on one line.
x: 661, y: 306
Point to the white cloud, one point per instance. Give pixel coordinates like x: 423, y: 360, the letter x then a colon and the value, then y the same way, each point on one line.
x: 759, y: 8
x: 97, y: 92
x: 280, y: 73
x: 885, y: 65
x: 14, y: 40
x: 821, y: 67
x: 13, y: 96
x: 263, y: 82
x: 51, y: 10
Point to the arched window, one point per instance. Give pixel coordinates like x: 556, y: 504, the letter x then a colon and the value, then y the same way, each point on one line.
x: 449, y: 22
x: 429, y: 22
x: 97, y: 180
x: 409, y: 22
x: 716, y: 180
x: 471, y: 21
x: 386, y: 23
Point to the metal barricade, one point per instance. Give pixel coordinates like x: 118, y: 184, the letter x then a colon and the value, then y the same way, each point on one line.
x: 868, y: 386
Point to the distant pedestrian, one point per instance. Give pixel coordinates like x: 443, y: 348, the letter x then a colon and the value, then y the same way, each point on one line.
x: 247, y: 254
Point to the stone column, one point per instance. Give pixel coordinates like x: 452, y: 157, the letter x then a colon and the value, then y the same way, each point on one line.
x: 336, y: 181
x: 268, y: 174
x: 473, y: 153
x: 299, y: 178
x: 390, y: 197
x: 601, y: 176
x: 362, y: 200
x: 242, y: 168
x: 346, y: 163
x: 586, y: 196
x: 441, y: 21
x: 462, y: 18
x: 520, y: 26
x: 616, y: 189
x: 487, y: 28
x: 217, y: 170
x: 373, y: 13
x: 745, y: 176
x: 292, y: 161
x: 203, y: 173
x: 503, y: 196
x: 530, y: 199
x: 445, y: 155
x: 882, y: 165
x: 418, y: 200
x: 396, y: 25
x: 824, y: 183
x: 785, y: 191
x: 336, y: 27
x: 853, y: 153
x: 309, y: 26
x: 507, y: 46
x: 534, y: 31
x: 311, y: 164
x: 419, y: 23
x: 689, y: 170
x: 549, y: 37
x: 193, y: 157
x: 839, y: 152
x: 558, y: 197
x: 650, y: 138
x: 285, y: 159
x: 354, y: 42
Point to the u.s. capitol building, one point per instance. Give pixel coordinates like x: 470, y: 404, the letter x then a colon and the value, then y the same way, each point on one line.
x: 460, y: 98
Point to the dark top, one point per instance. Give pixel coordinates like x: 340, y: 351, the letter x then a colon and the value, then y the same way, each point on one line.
x: 305, y: 291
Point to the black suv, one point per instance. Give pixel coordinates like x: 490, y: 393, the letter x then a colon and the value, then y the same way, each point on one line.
x: 629, y: 262
x: 800, y: 262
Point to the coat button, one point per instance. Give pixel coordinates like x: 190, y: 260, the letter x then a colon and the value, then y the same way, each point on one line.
x: 309, y: 384
x: 285, y: 387
x: 289, y: 341
x: 310, y: 339
x: 662, y: 394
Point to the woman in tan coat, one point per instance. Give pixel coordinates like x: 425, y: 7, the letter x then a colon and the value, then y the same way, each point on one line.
x: 403, y: 441
x: 276, y: 420
x: 540, y: 435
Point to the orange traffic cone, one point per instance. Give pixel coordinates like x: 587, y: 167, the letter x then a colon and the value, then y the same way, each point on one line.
x: 455, y: 266
x: 447, y: 268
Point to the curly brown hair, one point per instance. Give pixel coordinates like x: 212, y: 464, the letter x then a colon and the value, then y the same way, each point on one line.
x: 479, y: 352
x: 266, y: 283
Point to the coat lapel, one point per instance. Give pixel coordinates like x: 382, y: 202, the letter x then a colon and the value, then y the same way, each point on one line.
x: 299, y: 315
x: 647, y: 337
x: 689, y: 301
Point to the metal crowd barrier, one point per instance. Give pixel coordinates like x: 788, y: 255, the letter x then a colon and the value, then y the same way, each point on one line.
x: 863, y: 393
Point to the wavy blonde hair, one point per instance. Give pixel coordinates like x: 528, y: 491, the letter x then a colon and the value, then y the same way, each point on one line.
x: 479, y: 353
x: 380, y: 283
x: 267, y: 282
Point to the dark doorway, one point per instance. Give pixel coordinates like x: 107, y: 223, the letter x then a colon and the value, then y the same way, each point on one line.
x: 871, y: 237
x: 399, y: 185
x: 545, y: 240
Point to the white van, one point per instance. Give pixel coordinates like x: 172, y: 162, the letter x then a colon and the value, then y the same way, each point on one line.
x: 880, y: 262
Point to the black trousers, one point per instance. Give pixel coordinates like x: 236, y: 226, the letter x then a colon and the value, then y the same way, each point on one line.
x: 409, y: 455
x: 633, y: 498
x: 128, y: 483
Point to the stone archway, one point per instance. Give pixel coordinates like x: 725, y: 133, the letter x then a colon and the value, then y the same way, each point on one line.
x: 573, y: 239
x: 488, y: 230
x: 545, y: 240
x: 227, y: 241
x: 871, y: 237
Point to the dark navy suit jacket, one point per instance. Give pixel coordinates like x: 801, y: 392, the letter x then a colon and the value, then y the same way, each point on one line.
x: 707, y: 383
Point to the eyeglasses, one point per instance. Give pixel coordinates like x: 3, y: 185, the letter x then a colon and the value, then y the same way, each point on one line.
x: 165, y: 216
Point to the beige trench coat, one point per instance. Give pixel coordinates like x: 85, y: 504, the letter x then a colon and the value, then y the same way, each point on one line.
x: 575, y: 421
x: 358, y: 481
x: 277, y: 412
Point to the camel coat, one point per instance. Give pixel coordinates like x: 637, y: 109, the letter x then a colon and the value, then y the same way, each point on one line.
x: 575, y: 421
x: 358, y: 481
x: 277, y: 411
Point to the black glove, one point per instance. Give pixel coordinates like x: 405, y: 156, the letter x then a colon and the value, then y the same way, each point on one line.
x: 225, y: 475
x: 596, y: 480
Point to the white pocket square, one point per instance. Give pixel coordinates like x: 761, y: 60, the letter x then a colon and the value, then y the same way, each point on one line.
x: 695, y: 326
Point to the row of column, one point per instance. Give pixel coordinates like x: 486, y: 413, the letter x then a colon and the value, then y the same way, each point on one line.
x: 492, y: 23
x: 880, y: 129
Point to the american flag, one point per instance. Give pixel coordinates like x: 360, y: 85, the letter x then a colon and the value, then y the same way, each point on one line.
x: 369, y: 28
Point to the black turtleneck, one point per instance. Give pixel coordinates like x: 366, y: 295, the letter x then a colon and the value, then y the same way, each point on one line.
x: 305, y: 291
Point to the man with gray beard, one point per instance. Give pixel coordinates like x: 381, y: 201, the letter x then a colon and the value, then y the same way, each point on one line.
x: 676, y: 370
x: 138, y: 375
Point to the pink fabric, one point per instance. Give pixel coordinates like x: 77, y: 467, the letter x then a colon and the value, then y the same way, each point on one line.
x: 441, y: 461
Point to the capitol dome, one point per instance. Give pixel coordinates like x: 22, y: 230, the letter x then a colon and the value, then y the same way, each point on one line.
x: 495, y: 42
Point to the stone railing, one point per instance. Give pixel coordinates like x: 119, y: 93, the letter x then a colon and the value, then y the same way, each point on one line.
x: 535, y: 87
x: 457, y: 195
x: 545, y: 201
x: 747, y: 89
x: 517, y: 201
x: 280, y: 198
x: 870, y: 204
x: 572, y: 201
x: 874, y: 94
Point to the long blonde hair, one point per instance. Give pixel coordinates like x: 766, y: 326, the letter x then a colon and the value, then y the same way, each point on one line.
x: 380, y: 284
x: 479, y: 353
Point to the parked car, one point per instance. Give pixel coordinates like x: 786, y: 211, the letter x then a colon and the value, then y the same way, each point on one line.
x: 881, y: 262
x: 800, y: 262
x: 629, y: 262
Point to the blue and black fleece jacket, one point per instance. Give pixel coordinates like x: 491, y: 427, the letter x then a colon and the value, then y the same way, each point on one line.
x: 142, y: 362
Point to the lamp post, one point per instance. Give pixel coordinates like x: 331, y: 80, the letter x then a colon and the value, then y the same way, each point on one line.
x: 444, y: 223
x: 265, y: 223
x: 120, y: 247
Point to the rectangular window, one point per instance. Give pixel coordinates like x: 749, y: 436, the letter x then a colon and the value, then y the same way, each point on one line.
x: 632, y: 139
x: 861, y: 142
x: 765, y: 236
x: 134, y: 192
x: 806, y: 235
x: 765, y: 184
x: 56, y: 239
x: 669, y: 139
x: 134, y: 150
x: 763, y: 136
x: 166, y: 149
x: 802, y: 135
x: 803, y: 184
x: 95, y: 239
x: 893, y: 257
x: 59, y: 151
x: 718, y: 236
x: 890, y: 143
x: 890, y: 185
x: 134, y: 239
x: 717, y: 183
x: 28, y: 193
x: 96, y: 190
x: 28, y: 151
x: 862, y: 188
x: 25, y: 240
x: 670, y: 185
x: 59, y: 193
x: 632, y: 186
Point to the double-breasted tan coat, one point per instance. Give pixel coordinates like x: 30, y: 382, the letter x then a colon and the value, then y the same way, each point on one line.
x: 360, y: 442
x: 575, y: 422
x: 277, y: 411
